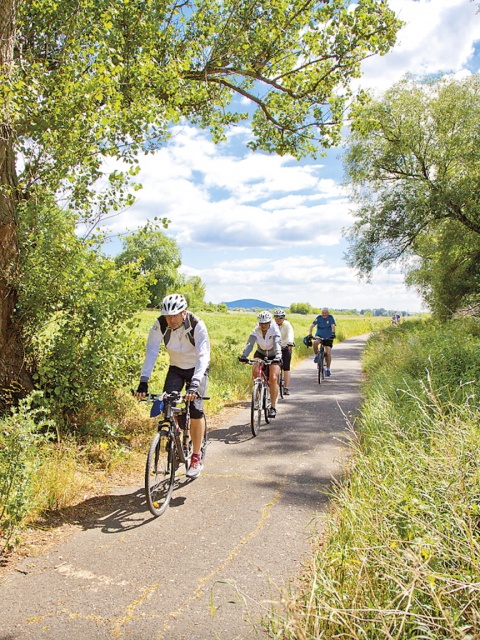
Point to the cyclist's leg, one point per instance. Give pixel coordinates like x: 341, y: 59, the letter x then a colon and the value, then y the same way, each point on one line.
x: 197, y: 416
x: 328, y: 355
x: 286, y: 362
x: 175, y: 380
x: 273, y: 378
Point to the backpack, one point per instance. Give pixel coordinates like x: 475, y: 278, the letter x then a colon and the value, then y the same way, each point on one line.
x: 190, y: 323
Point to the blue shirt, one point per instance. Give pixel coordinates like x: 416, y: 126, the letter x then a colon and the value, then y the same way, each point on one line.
x: 324, y: 326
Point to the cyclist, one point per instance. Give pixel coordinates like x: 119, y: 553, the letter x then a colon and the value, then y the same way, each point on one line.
x: 325, y: 333
x: 186, y: 340
x: 286, y: 332
x: 266, y: 335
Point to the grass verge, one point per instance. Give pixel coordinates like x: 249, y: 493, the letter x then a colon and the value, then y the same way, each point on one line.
x: 400, y: 554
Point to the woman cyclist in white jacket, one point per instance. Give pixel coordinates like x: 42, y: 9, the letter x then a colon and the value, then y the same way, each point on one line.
x: 266, y: 335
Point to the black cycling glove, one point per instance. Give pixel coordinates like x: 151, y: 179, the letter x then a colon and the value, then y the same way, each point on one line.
x: 142, y: 387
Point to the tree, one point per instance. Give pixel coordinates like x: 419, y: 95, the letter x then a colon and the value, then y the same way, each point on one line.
x: 447, y: 271
x: 303, y: 308
x: 413, y: 161
x: 157, y: 258
x: 93, y: 79
x: 194, y: 289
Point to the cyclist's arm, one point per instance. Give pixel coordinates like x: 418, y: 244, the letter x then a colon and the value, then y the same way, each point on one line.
x: 290, y: 336
x: 312, y: 327
x: 278, y: 346
x: 334, y: 328
x: 154, y: 342
x: 252, y: 339
x: 202, y: 346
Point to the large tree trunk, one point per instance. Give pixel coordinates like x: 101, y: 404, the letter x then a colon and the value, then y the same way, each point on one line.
x: 13, y: 375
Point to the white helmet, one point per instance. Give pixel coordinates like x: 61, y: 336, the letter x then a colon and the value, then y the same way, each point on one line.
x: 279, y: 313
x: 173, y: 304
x: 264, y: 316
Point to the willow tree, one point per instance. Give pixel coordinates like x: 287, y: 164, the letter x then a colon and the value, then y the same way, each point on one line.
x: 413, y: 162
x: 91, y: 79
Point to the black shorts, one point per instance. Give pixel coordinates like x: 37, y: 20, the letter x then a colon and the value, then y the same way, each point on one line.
x: 286, y: 358
x: 326, y: 343
x: 177, y: 378
x: 264, y: 356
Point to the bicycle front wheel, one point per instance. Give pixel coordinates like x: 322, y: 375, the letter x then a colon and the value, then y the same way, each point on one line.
x: 281, y: 383
x: 321, y: 367
x: 256, y: 408
x: 160, y: 472
x: 267, y: 404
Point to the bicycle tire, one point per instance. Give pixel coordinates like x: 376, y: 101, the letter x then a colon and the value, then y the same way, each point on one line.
x: 321, y: 367
x: 281, y: 383
x: 160, y: 472
x: 267, y: 403
x: 256, y: 408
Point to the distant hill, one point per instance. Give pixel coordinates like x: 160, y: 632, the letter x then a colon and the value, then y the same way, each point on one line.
x: 251, y: 303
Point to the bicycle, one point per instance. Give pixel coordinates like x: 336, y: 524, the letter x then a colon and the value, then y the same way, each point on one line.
x: 171, y: 446
x: 261, y: 400
x: 321, y: 363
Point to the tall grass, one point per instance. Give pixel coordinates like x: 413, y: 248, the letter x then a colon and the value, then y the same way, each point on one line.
x: 401, y: 552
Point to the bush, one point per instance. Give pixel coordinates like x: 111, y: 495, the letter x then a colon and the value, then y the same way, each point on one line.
x: 21, y: 433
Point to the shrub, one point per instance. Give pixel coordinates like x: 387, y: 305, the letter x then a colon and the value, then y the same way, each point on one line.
x: 21, y: 433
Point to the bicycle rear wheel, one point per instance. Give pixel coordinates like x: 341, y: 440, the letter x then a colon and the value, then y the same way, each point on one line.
x: 160, y: 472
x: 256, y: 408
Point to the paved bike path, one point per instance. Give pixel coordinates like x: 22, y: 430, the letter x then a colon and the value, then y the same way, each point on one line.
x: 230, y: 541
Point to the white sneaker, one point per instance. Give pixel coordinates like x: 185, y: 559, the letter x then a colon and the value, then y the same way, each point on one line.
x: 195, y: 467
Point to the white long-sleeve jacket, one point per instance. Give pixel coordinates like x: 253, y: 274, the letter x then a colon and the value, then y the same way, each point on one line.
x: 286, y: 331
x: 182, y: 352
x: 270, y: 345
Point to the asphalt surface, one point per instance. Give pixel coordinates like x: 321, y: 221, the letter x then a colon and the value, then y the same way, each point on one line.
x: 230, y: 542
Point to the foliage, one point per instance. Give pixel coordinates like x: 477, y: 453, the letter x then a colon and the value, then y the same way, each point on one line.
x: 447, y: 272
x: 85, y: 351
x: 413, y: 163
x: 21, y: 432
x: 400, y: 557
x: 194, y: 289
x: 303, y: 308
x: 156, y: 257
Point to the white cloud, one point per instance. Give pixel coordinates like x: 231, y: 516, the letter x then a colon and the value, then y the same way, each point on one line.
x: 438, y: 37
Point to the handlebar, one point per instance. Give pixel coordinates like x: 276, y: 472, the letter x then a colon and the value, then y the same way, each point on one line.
x: 260, y: 361
x: 174, y: 396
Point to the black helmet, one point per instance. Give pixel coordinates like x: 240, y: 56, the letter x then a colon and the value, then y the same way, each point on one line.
x: 307, y: 341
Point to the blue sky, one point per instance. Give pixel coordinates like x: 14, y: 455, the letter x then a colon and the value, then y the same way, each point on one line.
x: 258, y: 226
